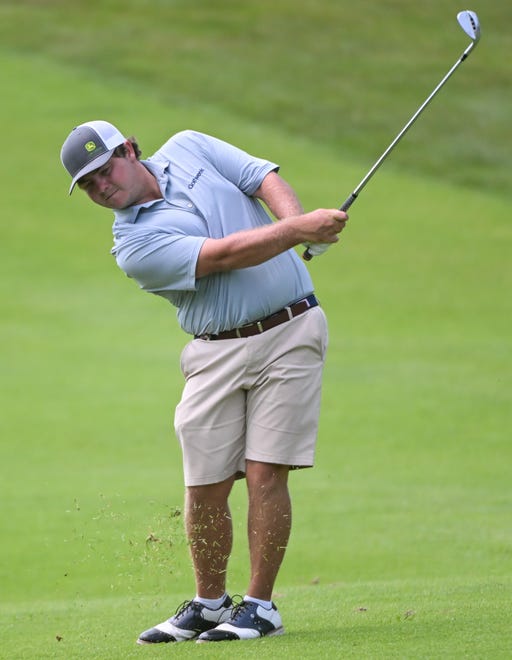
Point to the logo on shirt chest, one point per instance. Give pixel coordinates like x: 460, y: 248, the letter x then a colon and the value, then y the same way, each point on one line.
x: 195, y: 179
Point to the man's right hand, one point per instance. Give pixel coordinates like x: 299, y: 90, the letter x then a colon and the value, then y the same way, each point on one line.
x: 321, y: 226
x: 338, y: 222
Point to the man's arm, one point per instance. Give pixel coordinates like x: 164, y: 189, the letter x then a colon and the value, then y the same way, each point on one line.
x: 254, y: 246
x: 279, y: 197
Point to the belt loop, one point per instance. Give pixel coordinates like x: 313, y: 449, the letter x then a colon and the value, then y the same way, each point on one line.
x: 288, y: 310
x: 259, y: 325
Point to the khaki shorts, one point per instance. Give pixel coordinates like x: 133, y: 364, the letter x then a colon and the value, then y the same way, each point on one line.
x: 256, y: 398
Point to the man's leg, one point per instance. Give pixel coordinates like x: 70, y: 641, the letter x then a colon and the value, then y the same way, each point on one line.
x: 210, y: 534
x: 269, y: 524
x: 209, y: 530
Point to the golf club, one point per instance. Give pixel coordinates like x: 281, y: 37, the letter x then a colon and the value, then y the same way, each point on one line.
x: 469, y: 22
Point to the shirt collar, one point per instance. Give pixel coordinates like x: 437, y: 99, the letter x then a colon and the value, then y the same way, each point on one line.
x: 159, y: 170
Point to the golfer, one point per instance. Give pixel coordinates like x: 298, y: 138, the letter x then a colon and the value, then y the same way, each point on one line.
x: 190, y: 227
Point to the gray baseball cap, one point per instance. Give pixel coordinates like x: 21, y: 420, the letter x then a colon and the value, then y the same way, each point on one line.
x: 88, y: 147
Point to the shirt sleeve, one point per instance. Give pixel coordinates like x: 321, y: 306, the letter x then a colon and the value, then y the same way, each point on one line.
x: 159, y: 261
x: 245, y: 171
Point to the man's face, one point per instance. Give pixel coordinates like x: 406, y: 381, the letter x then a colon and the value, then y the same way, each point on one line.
x: 120, y: 183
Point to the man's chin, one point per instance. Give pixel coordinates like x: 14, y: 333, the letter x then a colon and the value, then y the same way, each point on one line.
x: 116, y: 201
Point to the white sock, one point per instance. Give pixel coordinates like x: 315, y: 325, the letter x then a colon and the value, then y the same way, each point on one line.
x: 267, y: 604
x: 211, y: 603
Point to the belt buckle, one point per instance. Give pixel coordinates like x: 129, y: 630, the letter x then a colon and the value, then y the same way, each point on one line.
x: 259, y: 327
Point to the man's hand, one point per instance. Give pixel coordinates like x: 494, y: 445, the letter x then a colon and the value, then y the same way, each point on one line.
x: 283, y: 203
x: 320, y: 226
x: 315, y: 249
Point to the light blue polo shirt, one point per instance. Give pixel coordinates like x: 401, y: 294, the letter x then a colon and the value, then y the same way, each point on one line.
x: 206, y: 187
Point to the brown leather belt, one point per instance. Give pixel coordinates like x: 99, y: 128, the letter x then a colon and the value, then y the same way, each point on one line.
x: 257, y: 327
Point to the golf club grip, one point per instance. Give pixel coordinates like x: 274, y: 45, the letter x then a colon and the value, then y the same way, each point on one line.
x: 349, y: 201
x: 307, y: 256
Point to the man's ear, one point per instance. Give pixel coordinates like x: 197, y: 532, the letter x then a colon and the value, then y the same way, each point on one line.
x: 130, y: 151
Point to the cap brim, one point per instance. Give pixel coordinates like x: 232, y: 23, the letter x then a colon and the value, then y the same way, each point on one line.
x: 90, y: 167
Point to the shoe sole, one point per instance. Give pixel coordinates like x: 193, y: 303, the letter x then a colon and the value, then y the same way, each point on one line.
x: 142, y: 642
x: 273, y: 633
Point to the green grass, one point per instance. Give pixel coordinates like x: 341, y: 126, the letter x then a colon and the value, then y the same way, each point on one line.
x: 401, y: 542
x: 396, y: 619
x: 344, y: 74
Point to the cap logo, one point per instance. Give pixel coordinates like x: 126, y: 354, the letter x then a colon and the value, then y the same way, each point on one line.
x: 90, y: 146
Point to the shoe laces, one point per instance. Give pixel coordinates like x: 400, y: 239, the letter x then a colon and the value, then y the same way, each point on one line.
x: 185, y: 607
x: 239, y: 609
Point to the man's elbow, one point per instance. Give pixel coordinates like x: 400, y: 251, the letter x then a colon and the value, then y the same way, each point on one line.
x: 214, y: 257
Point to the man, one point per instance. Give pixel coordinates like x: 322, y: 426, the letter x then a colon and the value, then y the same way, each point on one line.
x: 189, y: 227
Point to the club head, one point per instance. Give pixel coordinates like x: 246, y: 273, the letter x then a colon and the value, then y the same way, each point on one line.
x: 469, y: 22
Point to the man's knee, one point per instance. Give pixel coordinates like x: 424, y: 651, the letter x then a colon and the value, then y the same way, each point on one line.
x: 266, y: 475
x: 212, y: 494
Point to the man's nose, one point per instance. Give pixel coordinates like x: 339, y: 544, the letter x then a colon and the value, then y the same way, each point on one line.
x: 102, y: 183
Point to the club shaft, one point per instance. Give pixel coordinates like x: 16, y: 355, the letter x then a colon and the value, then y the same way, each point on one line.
x: 354, y: 194
x: 404, y: 130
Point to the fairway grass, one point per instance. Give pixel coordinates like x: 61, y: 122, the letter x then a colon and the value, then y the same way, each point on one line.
x: 399, y: 619
x: 346, y: 74
x: 402, y: 544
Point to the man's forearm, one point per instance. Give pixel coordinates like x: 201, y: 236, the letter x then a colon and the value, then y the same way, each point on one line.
x: 246, y: 248
x: 254, y: 246
x: 279, y: 197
